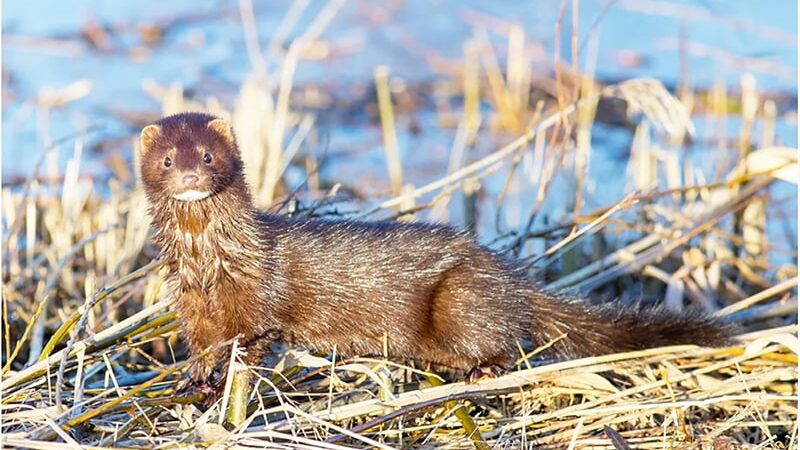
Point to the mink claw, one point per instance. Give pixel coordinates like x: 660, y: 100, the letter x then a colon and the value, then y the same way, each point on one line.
x: 208, y: 391
x: 480, y: 372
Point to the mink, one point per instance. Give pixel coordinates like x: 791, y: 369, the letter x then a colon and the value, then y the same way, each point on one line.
x: 428, y: 292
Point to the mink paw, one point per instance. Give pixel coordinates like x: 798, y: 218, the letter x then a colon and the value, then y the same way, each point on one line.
x: 209, y: 391
x: 477, y: 373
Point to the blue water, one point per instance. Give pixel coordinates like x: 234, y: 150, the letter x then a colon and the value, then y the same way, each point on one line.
x: 398, y: 35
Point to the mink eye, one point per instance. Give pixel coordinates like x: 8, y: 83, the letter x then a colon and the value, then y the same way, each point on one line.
x: 207, y: 158
x: 167, y: 162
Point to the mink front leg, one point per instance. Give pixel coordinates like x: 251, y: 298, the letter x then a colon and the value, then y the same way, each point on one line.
x: 202, y: 374
x: 253, y: 352
x: 202, y: 333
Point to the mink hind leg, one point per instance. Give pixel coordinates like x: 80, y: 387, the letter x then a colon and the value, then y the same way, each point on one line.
x: 479, y: 372
x: 474, y: 321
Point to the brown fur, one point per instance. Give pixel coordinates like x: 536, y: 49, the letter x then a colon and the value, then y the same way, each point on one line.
x: 433, y: 293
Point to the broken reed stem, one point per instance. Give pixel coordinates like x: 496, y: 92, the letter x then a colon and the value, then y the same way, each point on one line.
x: 467, y: 129
x: 247, y: 16
x: 237, y: 411
x: 741, y: 225
x: 282, y: 108
x: 504, y: 99
x: 770, y: 111
x: 233, y: 409
x: 388, y: 126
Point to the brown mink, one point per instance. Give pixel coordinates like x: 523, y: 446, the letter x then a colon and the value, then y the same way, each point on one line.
x: 433, y: 294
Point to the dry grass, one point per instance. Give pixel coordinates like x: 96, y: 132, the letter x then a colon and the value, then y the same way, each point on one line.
x: 91, y: 353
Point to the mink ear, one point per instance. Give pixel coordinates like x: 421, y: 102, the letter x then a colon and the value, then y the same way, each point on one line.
x: 148, y: 137
x: 223, y: 130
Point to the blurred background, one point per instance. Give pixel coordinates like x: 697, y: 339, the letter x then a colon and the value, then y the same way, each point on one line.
x: 69, y: 67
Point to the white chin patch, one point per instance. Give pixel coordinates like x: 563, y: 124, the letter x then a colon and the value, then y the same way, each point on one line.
x: 191, y: 196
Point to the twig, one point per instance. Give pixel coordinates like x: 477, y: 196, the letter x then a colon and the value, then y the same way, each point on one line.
x: 761, y: 296
x: 629, y: 200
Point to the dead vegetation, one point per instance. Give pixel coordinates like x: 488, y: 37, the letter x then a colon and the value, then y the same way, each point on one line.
x: 90, y: 348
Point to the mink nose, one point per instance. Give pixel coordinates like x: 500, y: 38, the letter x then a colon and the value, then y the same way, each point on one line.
x: 190, y: 181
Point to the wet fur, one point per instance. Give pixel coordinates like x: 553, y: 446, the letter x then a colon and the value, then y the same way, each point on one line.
x: 431, y: 292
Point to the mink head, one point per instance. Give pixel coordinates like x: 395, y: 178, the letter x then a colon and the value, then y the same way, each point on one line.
x: 189, y: 157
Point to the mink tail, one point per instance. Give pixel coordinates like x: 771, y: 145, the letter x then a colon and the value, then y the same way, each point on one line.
x: 590, y: 330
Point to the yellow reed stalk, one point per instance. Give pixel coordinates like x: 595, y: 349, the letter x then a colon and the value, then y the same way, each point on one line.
x: 389, y: 132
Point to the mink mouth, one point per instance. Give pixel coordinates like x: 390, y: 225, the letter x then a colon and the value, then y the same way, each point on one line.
x: 191, y: 195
